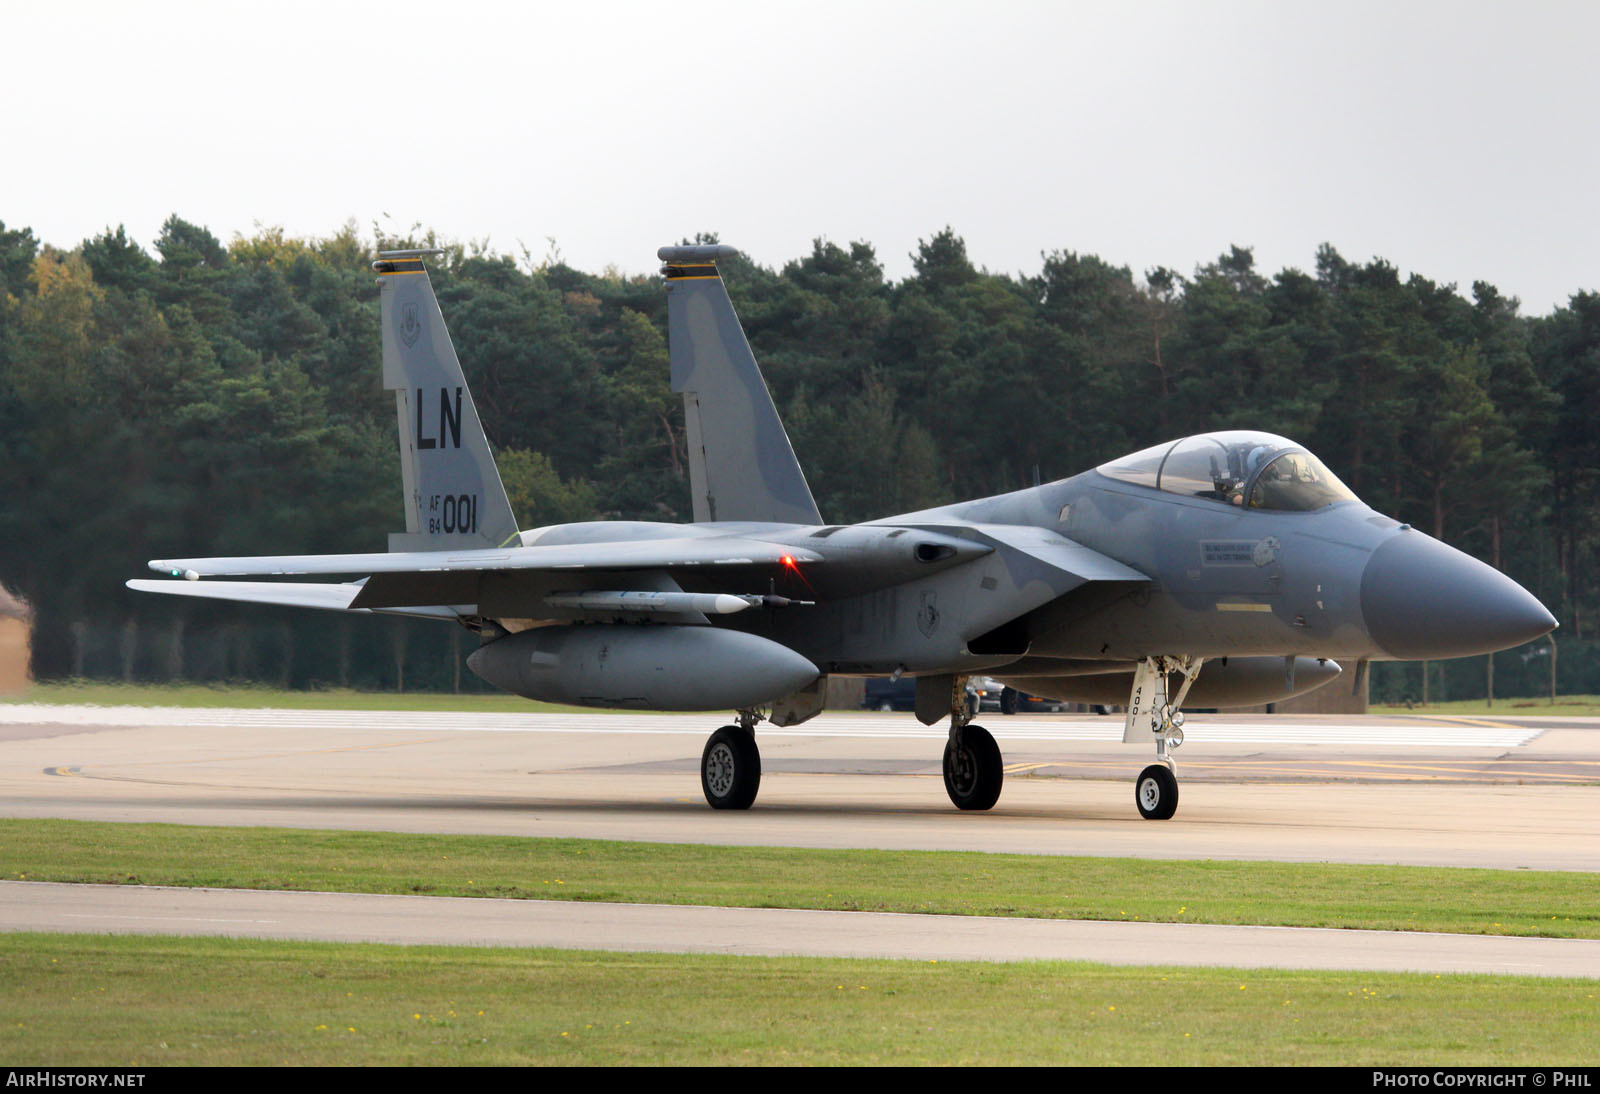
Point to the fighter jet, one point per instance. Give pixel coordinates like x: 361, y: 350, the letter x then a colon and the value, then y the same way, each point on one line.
x: 1225, y: 569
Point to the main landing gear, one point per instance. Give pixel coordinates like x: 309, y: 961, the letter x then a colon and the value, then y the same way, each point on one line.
x: 1155, y: 791
x: 730, y: 766
x: 972, y: 767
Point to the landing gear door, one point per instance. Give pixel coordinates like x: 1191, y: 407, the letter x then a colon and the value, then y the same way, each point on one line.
x: 1149, y: 695
x: 801, y: 706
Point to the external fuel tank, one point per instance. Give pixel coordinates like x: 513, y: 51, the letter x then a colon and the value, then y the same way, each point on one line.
x: 643, y: 667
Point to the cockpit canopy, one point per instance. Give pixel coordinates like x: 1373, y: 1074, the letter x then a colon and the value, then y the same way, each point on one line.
x: 1236, y: 467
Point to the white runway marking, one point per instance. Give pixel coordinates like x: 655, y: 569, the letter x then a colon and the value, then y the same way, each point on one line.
x: 1331, y: 731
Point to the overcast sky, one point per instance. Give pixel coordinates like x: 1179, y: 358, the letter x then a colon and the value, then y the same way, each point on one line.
x: 1455, y: 139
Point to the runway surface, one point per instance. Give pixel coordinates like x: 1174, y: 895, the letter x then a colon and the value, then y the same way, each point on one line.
x: 345, y: 917
x: 1505, y: 793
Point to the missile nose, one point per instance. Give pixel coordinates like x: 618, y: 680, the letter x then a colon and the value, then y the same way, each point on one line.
x: 1425, y: 599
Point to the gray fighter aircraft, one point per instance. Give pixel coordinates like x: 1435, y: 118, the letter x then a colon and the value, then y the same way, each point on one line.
x: 1225, y: 569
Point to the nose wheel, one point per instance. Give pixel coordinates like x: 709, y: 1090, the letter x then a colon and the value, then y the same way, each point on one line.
x: 1156, y: 792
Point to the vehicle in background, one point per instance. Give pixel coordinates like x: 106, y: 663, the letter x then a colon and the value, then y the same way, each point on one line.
x: 1012, y: 701
x: 989, y: 691
x: 886, y: 694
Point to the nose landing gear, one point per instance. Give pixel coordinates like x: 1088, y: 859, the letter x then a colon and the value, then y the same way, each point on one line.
x: 1152, y: 717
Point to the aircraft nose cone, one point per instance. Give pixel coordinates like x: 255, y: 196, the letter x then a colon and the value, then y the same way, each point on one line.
x: 1425, y: 599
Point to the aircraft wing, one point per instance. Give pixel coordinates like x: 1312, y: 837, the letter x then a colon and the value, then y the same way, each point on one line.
x: 653, y: 554
x: 427, y: 583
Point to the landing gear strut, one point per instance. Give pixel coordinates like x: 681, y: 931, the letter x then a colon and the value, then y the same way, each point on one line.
x: 730, y: 766
x: 972, y: 767
x: 1150, y: 715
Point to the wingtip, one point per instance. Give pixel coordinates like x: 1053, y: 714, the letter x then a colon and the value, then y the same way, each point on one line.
x: 161, y: 566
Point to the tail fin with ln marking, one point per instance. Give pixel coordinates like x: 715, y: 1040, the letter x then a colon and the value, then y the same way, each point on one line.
x: 741, y: 465
x: 454, y: 498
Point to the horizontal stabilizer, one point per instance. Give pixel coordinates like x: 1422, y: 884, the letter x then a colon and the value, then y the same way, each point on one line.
x: 333, y: 597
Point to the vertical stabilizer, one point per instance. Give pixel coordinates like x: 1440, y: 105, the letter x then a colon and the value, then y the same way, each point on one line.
x: 741, y: 465
x: 454, y: 499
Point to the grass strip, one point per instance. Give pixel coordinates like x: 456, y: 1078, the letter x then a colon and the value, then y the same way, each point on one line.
x: 73, y: 1000
x: 1467, y: 901
x: 1565, y: 706
x: 97, y: 693
x: 248, y: 696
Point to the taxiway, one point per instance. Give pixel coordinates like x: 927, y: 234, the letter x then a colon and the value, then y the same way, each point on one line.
x: 486, y: 921
x: 1484, y: 792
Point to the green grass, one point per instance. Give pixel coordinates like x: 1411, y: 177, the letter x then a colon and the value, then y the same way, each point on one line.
x: 100, y: 693
x: 106, y: 693
x: 1551, y: 904
x: 1565, y: 706
x: 71, y: 1000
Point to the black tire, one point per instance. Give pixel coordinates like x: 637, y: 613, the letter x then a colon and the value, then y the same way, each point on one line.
x: 1156, y: 792
x: 1008, y: 701
x: 885, y: 706
x: 730, y: 769
x: 972, y: 775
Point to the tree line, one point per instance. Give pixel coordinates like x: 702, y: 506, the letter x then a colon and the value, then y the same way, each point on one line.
x: 205, y: 398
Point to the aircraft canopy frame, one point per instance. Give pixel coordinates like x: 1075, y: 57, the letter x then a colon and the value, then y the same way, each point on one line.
x: 1245, y: 468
